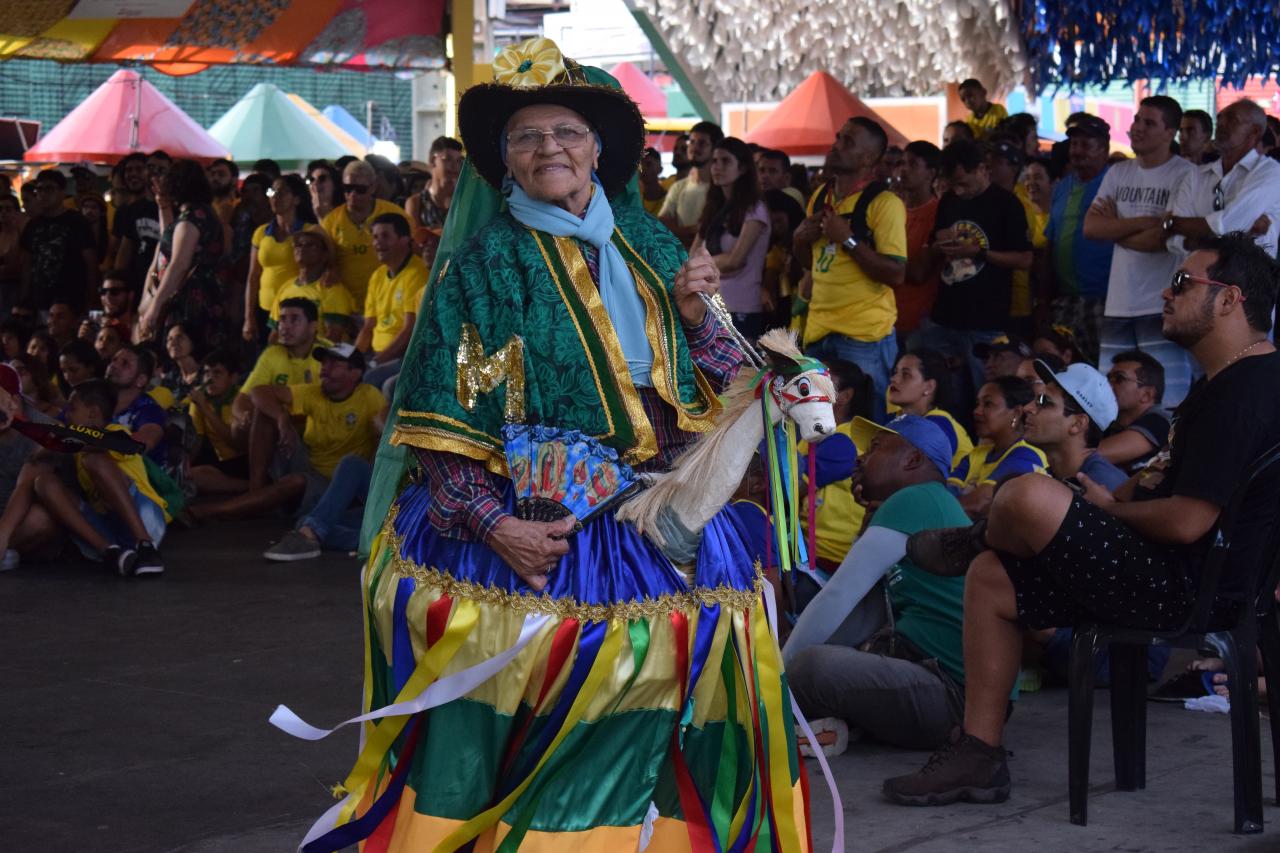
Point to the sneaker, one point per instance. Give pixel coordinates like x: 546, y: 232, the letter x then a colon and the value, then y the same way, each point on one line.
x: 10, y: 560
x: 831, y: 734
x: 965, y: 769
x: 148, y: 560
x: 294, y: 546
x: 122, y: 560
x: 947, y: 551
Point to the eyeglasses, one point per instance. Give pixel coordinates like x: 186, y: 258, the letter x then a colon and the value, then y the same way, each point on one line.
x: 567, y: 136
x: 1044, y: 401
x: 358, y: 189
x: 1182, y: 278
x: 1119, y: 377
x: 319, y: 178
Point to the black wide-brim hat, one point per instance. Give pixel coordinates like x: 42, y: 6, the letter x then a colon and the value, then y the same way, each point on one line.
x: 485, y: 109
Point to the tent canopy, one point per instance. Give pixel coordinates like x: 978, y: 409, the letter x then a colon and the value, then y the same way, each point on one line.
x: 265, y: 123
x: 102, y: 127
x: 807, y: 120
x: 648, y: 95
x: 348, y: 123
x: 184, y: 37
x: 345, y: 139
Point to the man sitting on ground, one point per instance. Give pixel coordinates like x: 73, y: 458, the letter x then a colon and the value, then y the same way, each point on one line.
x: 288, y: 362
x: 1066, y: 420
x: 115, y: 516
x: 343, y: 416
x: 221, y: 467
x: 130, y: 373
x: 904, y: 685
x: 1140, y: 428
x: 1049, y: 558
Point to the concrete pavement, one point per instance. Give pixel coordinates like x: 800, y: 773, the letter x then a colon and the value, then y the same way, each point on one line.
x: 133, y: 720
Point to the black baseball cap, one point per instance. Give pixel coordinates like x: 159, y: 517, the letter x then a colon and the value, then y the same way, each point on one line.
x: 1090, y: 127
x: 1008, y: 150
x: 1004, y: 343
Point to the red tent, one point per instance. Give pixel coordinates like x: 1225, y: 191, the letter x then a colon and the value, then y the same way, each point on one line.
x: 647, y: 94
x: 123, y: 115
x: 807, y: 120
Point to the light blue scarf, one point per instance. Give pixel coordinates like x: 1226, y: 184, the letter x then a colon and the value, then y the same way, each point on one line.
x: 617, y: 286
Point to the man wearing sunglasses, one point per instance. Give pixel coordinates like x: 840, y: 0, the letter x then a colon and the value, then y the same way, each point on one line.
x: 350, y: 226
x: 1051, y: 558
x: 1239, y: 192
x: 1066, y: 421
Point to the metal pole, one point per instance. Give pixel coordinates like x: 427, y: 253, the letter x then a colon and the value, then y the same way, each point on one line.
x: 134, y: 124
x: 368, y: 121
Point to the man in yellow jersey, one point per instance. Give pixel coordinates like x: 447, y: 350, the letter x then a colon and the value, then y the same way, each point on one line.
x: 391, y: 306
x: 289, y: 362
x: 342, y: 416
x: 350, y: 227
x: 983, y: 115
x: 221, y: 466
x: 857, y: 251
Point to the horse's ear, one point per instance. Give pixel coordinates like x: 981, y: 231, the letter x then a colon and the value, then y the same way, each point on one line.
x: 783, y: 365
x: 780, y: 350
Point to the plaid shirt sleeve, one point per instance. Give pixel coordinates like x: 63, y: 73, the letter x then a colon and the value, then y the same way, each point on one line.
x: 465, y: 502
x: 714, y: 351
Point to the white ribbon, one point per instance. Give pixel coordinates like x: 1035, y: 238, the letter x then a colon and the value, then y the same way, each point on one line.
x: 837, y: 806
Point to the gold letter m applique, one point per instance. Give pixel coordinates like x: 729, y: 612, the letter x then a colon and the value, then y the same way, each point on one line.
x: 480, y: 374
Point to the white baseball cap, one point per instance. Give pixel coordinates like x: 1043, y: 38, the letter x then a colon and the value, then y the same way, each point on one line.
x: 1089, y: 388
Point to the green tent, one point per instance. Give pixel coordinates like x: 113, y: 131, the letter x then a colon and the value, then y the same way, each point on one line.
x: 266, y: 123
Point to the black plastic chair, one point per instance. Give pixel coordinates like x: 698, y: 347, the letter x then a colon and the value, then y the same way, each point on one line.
x: 1233, y: 636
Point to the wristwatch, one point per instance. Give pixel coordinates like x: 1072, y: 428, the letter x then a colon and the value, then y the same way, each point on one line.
x: 1168, y: 224
x: 850, y: 243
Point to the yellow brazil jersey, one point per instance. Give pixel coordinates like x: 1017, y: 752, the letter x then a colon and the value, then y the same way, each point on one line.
x: 846, y: 301
x: 275, y: 256
x: 391, y: 297
x: 337, y: 428
x: 276, y: 367
x: 223, y: 407
x: 838, y: 515
x: 995, y: 114
x: 333, y: 301
x: 984, y: 467
x: 133, y: 467
x: 354, y: 245
x: 1020, y: 294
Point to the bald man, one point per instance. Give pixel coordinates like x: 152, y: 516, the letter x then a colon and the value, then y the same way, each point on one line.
x: 1240, y: 192
x: 350, y: 226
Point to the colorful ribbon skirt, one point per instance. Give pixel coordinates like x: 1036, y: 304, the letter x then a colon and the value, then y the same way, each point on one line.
x: 622, y: 708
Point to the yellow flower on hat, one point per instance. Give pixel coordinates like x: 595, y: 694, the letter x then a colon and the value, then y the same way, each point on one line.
x: 532, y: 63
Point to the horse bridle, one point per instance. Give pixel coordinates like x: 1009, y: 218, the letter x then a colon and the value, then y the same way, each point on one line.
x: 786, y: 400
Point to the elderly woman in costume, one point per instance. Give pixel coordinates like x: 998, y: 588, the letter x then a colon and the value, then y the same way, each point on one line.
x: 555, y: 681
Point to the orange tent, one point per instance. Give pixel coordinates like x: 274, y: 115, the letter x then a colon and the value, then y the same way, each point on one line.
x: 807, y: 120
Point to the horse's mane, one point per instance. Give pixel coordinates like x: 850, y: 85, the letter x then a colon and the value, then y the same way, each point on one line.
x: 642, y: 510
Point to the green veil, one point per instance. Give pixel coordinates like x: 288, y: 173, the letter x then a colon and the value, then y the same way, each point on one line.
x: 475, y: 204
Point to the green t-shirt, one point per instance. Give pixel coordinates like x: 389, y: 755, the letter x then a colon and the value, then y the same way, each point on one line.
x: 928, y: 610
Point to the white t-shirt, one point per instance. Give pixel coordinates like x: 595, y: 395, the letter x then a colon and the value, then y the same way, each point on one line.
x: 1137, y: 278
x: 741, y: 289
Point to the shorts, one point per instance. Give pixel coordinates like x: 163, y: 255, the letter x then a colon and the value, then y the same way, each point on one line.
x: 115, y: 530
x: 1097, y: 569
x: 299, y: 462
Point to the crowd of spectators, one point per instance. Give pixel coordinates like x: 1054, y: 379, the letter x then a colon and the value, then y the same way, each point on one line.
x: 245, y: 330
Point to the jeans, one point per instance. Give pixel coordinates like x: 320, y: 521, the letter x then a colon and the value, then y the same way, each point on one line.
x: 957, y: 345
x: 337, y: 516
x: 380, y: 373
x: 875, y: 358
x: 895, y: 701
x: 1144, y: 333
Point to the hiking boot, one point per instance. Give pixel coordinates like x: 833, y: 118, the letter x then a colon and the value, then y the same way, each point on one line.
x: 294, y: 546
x: 148, y: 562
x: 120, y: 560
x: 965, y: 769
x: 947, y: 551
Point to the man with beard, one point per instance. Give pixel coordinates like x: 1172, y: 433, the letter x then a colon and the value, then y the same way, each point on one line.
x: 774, y: 170
x: 856, y: 249
x: 137, y: 225
x: 1128, y: 211
x: 903, y: 684
x: 679, y: 161
x: 223, y: 175
x: 1049, y: 558
x: 682, y: 208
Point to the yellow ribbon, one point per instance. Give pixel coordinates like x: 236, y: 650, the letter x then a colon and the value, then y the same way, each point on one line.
x: 462, y: 622
x: 769, y: 667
